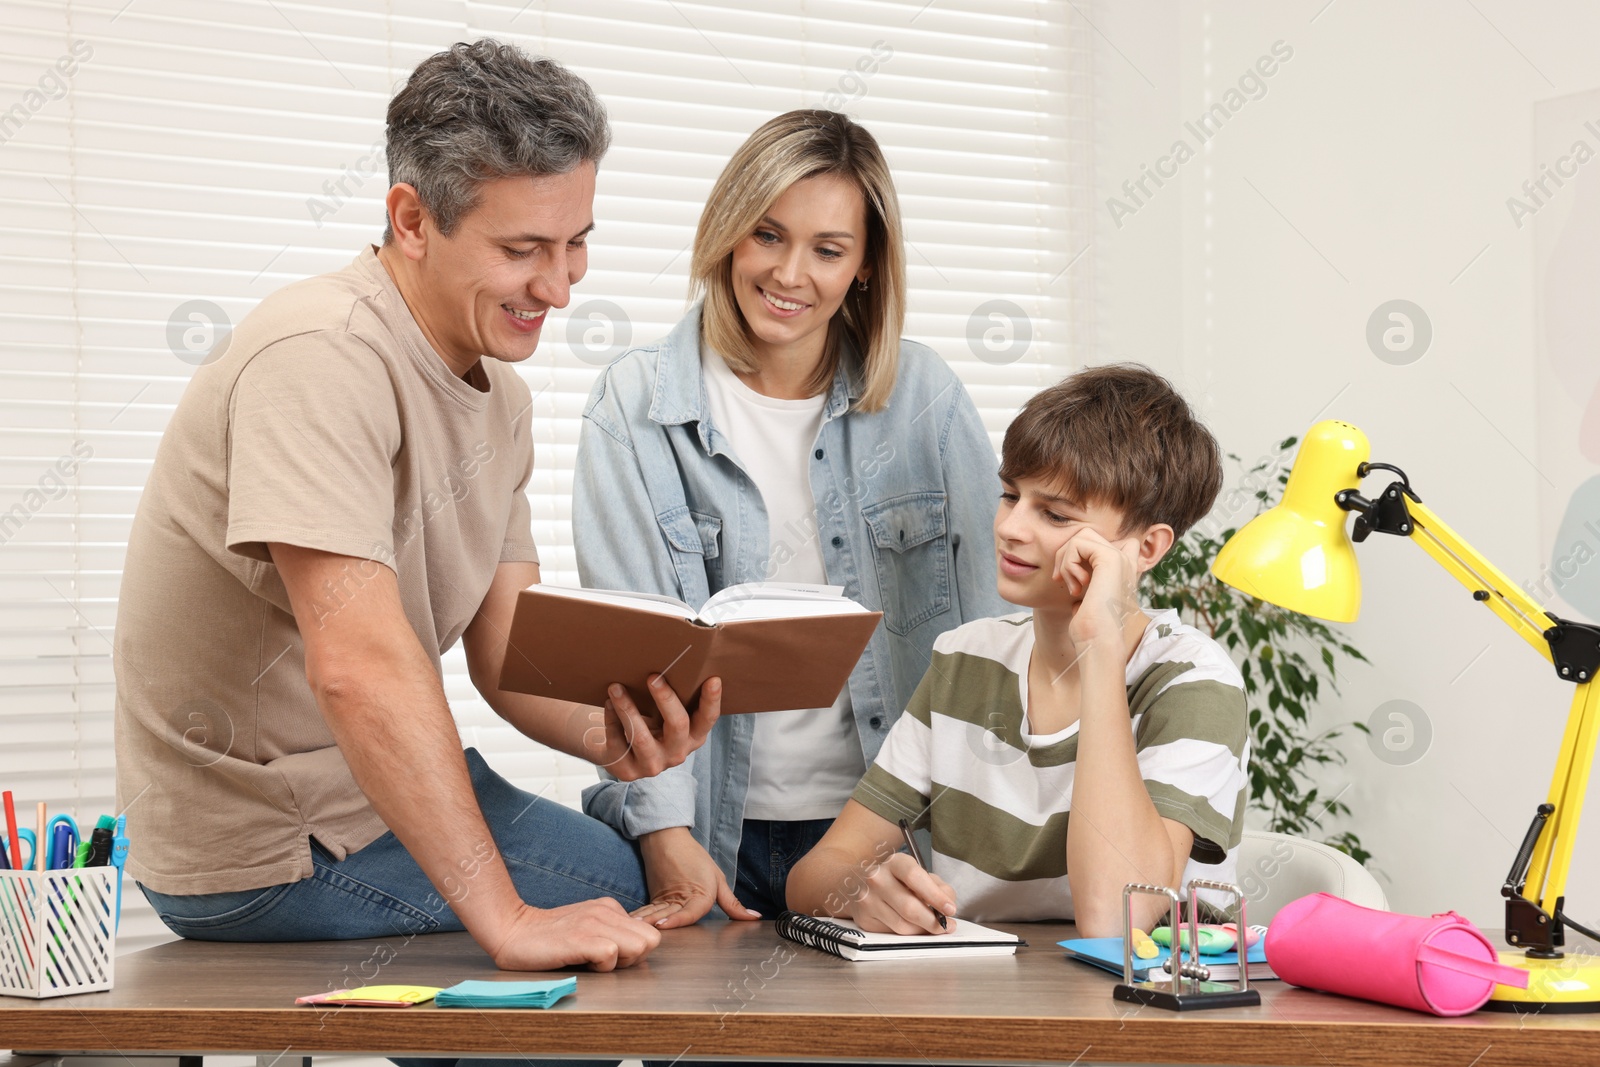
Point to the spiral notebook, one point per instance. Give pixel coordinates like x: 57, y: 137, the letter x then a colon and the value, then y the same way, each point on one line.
x: 845, y: 939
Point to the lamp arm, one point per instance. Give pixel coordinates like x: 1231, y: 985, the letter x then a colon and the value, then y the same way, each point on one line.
x: 1573, y: 648
x: 1533, y: 919
x: 1487, y: 583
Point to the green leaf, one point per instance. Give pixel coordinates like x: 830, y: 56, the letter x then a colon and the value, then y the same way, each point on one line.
x: 1284, y: 659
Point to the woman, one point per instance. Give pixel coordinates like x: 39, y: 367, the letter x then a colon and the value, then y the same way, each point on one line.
x: 785, y: 432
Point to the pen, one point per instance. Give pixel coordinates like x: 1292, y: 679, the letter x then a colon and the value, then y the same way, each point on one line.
x: 11, y: 828
x: 63, y: 841
x: 42, y: 853
x: 18, y: 892
x: 911, y: 846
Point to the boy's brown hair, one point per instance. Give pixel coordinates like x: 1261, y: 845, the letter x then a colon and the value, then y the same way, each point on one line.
x: 1120, y: 436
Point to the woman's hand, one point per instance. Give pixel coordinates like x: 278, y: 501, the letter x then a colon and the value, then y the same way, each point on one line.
x: 684, y: 881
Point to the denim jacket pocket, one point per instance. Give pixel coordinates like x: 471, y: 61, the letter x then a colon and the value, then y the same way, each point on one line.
x: 912, y: 553
x: 691, y: 532
x: 696, y: 542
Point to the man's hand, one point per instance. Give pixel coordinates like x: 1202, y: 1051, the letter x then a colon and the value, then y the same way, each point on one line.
x: 619, y: 737
x: 632, y: 745
x: 900, y: 897
x: 684, y: 881
x: 596, y: 933
x: 1104, y: 578
x: 383, y: 702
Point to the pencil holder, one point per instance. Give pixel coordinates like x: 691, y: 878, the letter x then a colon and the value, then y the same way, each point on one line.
x: 58, y: 931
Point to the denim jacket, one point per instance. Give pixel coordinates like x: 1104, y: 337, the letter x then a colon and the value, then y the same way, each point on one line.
x: 905, y: 501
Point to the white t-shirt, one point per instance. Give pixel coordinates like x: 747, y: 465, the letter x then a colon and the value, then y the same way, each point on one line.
x: 803, y: 764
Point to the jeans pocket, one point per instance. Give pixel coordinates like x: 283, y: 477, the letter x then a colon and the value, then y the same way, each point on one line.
x: 912, y: 553
x: 799, y: 837
x: 196, y: 916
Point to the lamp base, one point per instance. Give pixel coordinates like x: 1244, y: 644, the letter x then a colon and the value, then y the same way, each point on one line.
x: 1569, y: 984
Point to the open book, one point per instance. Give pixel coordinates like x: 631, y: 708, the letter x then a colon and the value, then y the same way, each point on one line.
x: 775, y: 646
x: 845, y: 939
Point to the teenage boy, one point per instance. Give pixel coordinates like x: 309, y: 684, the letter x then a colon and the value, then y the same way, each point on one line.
x: 1058, y: 754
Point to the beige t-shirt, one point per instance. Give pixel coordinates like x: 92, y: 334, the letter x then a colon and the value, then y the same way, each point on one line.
x: 329, y: 423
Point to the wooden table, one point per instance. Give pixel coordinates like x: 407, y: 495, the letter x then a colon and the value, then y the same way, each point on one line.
x: 725, y: 989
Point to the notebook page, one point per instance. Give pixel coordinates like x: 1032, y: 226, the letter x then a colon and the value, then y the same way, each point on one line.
x: 962, y: 932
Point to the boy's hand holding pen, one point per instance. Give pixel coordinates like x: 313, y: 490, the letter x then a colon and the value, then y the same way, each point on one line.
x: 901, y: 897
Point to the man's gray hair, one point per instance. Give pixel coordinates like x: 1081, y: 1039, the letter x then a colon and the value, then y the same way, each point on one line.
x: 485, y: 110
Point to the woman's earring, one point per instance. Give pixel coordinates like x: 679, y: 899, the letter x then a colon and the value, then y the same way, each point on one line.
x: 861, y: 286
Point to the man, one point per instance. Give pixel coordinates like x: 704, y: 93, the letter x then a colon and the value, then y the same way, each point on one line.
x: 338, y: 499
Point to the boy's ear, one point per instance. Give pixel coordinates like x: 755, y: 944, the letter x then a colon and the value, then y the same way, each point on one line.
x: 1153, y: 545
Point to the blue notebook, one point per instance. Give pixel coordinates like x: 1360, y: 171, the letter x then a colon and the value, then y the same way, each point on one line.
x: 505, y: 994
x: 1106, y: 954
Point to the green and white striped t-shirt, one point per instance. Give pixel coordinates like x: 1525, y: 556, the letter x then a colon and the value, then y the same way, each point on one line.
x: 962, y: 762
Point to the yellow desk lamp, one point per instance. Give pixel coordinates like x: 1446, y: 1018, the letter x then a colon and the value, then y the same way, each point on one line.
x: 1298, y: 556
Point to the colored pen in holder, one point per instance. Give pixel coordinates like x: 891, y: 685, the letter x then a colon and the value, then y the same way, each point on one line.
x: 63, y: 837
x: 1190, y: 986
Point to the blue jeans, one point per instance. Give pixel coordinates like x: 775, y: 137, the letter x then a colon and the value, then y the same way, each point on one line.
x: 768, y: 851
x: 555, y: 855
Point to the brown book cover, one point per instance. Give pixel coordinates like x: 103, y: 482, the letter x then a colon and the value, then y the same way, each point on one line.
x: 571, y: 649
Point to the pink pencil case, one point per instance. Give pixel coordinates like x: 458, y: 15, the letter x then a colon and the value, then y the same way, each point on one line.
x: 1440, y: 964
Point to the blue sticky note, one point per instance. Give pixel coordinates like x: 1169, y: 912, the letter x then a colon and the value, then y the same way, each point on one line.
x: 506, y: 994
x: 1106, y: 953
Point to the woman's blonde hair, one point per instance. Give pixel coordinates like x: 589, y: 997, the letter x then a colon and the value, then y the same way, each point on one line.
x: 788, y: 149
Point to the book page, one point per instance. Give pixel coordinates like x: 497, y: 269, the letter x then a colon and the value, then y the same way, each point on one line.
x: 776, y: 600
x: 652, y: 602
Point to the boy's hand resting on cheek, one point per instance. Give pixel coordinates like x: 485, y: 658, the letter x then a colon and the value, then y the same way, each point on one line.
x: 1104, y: 578
x: 901, y: 897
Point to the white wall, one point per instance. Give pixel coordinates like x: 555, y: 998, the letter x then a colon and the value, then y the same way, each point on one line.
x: 1376, y: 166
x: 1390, y: 141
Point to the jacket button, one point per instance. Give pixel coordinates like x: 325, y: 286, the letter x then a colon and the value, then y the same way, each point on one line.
x: 875, y: 722
x: 818, y: 453
x: 837, y: 542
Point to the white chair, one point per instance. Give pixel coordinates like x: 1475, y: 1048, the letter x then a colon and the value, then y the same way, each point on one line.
x: 1275, y: 869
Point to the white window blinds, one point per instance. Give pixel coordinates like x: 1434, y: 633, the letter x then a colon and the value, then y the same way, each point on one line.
x: 167, y: 163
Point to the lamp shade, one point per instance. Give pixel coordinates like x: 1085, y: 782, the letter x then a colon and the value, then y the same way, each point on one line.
x: 1297, y: 555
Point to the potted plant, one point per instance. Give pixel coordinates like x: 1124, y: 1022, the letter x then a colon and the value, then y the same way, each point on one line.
x: 1287, y: 659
